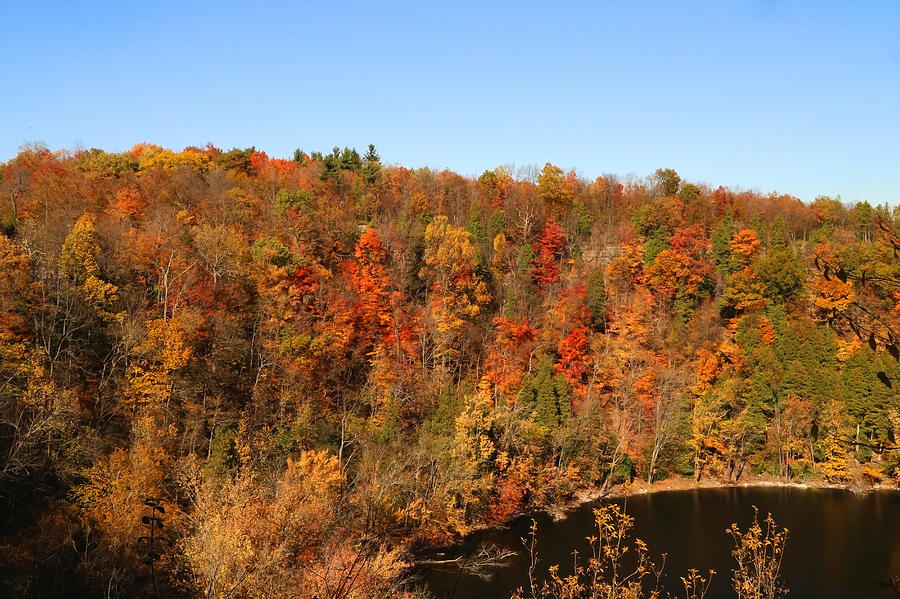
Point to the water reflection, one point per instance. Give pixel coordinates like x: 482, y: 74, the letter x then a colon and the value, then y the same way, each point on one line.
x: 839, y: 545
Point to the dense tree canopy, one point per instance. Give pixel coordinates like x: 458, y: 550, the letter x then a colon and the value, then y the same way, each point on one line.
x: 318, y: 366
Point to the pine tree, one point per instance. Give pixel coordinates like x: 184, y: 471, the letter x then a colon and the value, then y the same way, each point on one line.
x: 721, y: 250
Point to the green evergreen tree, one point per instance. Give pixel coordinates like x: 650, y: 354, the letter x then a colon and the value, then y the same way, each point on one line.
x: 596, y: 299
x: 778, y: 236
x: 721, y: 250
x: 338, y: 160
x: 783, y: 273
x: 547, y: 394
x: 757, y: 226
x: 583, y: 221
x: 300, y: 157
x: 372, y: 155
x: 473, y: 224
x: 655, y: 243
x: 371, y: 166
x: 496, y: 223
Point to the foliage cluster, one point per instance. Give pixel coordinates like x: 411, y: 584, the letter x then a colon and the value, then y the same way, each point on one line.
x: 319, y: 365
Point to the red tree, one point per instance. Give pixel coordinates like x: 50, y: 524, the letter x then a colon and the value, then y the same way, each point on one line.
x: 549, y: 244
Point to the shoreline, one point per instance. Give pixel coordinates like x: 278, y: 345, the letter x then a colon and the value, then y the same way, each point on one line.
x: 560, y: 511
x: 677, y: 483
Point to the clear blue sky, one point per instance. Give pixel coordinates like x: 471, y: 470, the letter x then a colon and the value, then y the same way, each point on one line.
x: 794, y: 97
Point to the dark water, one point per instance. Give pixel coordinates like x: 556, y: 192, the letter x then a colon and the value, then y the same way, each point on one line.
x: 839, y: 545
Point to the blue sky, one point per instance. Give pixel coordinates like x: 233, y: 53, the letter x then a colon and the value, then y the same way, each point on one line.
x: 793, y: 97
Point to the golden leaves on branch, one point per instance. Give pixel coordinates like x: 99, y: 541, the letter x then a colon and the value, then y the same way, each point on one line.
x: 79, y: 260
x: 834, y: 294
x: 458, y: 292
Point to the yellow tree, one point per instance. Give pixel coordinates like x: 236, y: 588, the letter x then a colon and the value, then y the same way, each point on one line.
x: 253, y: 541
x: 151, y: 379
x: 289, y: 539
x: 78, y: 260
x: 554, y: 189
x: 113, y: 498
x: 17, y: 290
x: 833, y: 295
x: 38, y: 420
x: 834, y: 422
x: 707, y: 413
x: 458, y: 293
x: 744, y: 291
x: 744, y: 245
x: 473, y: 451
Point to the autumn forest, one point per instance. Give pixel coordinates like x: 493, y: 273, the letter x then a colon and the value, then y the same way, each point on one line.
x: 229, y: 375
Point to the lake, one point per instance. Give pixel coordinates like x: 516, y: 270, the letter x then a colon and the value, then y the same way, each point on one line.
x: 840, y: 545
